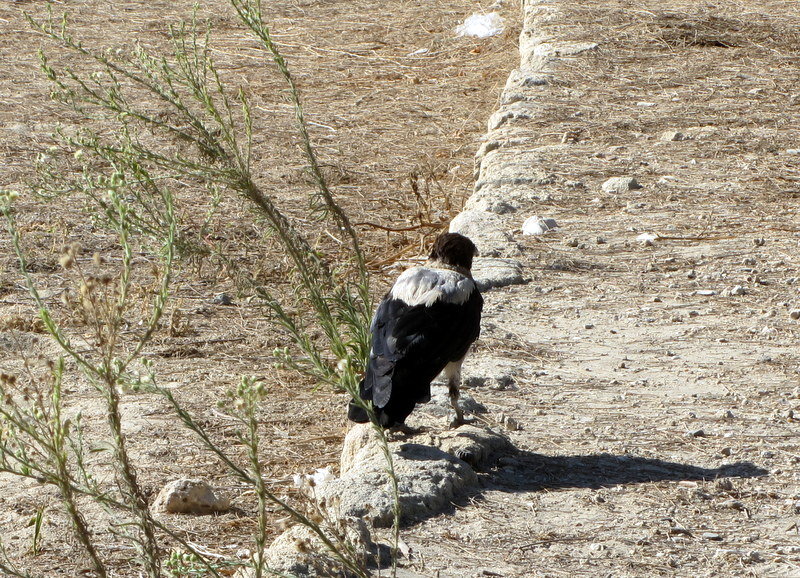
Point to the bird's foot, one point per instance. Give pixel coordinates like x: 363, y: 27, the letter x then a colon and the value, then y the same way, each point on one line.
x: 402, y: 431
x: 461, y: 420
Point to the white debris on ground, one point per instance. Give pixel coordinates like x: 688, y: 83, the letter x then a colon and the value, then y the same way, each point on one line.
x: 481, y: 25
x: 536, y: 225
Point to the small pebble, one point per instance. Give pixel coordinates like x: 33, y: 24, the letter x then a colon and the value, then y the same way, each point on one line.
x: 222, y: 299
x: 573, y: 242
x: 728, y: 414
x: 712, y: 536
x: 795, y: 314
x: 726, y: 451
x: 620, y: 185
x: 589, y: 326
x: 733, y: 505
x: 724, y: 484
x: 672, y: 135
x: 738, y: 290
x: 755, y: 556
x: 698, y: 433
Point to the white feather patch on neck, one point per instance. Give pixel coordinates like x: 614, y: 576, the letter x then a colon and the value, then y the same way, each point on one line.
x: 427, y: 285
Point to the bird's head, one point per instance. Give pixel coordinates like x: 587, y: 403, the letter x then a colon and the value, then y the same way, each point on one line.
x: 454, y: 249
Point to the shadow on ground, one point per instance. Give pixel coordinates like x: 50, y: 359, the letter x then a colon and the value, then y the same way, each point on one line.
x: 530, y: 472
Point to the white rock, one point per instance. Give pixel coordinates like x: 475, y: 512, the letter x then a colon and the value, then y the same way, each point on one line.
x: 189, y: 496
x: 489, y: 272
x: 536, y: 225
x: 647, y: 238
x: 620, y: 185
x: 300, y: 552
x: 428, y: 478
x: 672, y: 135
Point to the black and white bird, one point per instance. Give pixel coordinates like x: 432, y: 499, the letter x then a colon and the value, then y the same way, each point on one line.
x: 424, y: 325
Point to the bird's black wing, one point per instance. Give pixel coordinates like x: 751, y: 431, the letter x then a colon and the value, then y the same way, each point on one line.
x: 410, y: 347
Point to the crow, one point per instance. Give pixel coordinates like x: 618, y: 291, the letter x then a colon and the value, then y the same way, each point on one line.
x: 424, y: 325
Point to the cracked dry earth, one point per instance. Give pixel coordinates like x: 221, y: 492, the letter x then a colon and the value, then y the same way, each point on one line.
x: 655, y: 380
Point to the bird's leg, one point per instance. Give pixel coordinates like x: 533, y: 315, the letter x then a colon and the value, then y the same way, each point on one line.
x: 453, y: 373
x: 402, y: 430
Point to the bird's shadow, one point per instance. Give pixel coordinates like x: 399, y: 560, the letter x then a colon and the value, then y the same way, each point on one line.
x: 529, y: 472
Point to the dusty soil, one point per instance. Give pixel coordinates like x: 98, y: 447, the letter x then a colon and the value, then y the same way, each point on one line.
x: 658, y: 432
x: 659, y: 429
x: 396, y: 105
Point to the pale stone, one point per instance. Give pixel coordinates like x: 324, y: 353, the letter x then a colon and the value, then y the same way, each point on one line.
x: 189, y: 496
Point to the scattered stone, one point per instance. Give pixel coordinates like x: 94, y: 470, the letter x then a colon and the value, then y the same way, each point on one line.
x: 705, y: 293
x: 589, y: 326
x: 754, y: 556
x: 492, y: 272
x: 673, y: 135
x: 795, y: 314
x: 738, y: 290
x: 573, y: 242
x: 222, y: 299
x: 726, y: 451
x: 698, y: 433
x: 600, y: 241
x: 536, y: 225
x: 620, y: 185
x: 647, y: 239
x: 712, y: 536
x: 429, y: 478
x: 300, y: 552
x: 728, y: 414
x: 734, y: 505
x: 511, y: 423
x: 189, y: 496
x: 759, y: 241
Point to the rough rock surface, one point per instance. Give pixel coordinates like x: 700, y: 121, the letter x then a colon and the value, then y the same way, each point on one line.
x: 621, y: 185
x: 188, y: 496
x: 428, y: 479
x: 490, y: 272
x: 488, y: 233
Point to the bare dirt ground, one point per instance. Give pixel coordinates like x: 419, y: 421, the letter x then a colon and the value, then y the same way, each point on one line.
x: 658, y: 431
